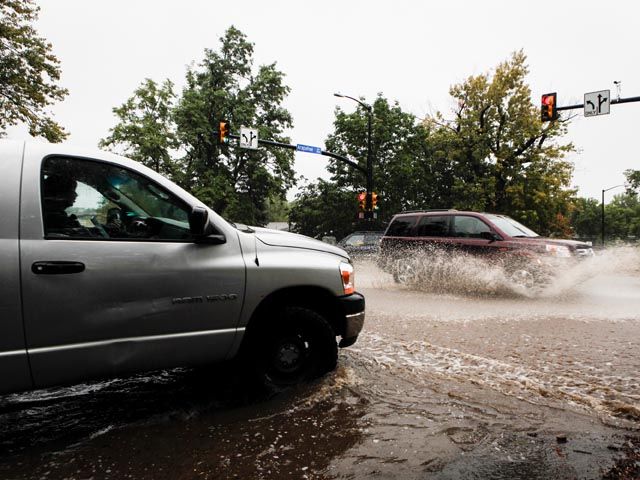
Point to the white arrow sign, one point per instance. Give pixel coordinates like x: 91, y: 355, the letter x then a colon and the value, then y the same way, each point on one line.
x: 597, y: 103
x: 248, y: 138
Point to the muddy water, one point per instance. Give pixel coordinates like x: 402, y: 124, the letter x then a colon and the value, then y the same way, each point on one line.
x: 475, y: 380
x: 489, y: 377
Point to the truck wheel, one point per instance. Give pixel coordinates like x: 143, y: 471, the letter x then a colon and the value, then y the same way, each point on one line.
x: 300, y: 345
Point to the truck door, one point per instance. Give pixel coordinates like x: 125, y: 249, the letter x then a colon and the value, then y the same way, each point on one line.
x: 112, y: 280
x: 14, y: 365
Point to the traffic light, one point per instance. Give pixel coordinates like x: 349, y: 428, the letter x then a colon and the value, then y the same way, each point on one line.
x: 548, y: 109
x: 223, y: 131
x: 362, y: 201
x: 374, y: 201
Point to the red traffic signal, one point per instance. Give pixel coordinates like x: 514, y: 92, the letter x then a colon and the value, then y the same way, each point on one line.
x: 548, y: 107
x: 362, y: 201
x: 223, y: 131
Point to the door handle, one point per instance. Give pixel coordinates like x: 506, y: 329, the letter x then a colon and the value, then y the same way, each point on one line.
x: 57, y: 268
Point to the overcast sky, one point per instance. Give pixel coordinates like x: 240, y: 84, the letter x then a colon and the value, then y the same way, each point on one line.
x: 409, y: 51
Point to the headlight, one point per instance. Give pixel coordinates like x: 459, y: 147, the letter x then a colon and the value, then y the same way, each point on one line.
x: 558, y: 251
x: 347, y: 274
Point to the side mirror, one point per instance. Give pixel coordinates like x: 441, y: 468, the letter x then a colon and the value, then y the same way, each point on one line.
x: 491, y: 236
x: 202, y: 229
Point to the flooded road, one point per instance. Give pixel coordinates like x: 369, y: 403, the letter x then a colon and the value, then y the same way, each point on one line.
x: 459, y: 380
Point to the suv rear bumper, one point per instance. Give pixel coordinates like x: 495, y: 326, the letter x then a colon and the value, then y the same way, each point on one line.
x: 353, y: 308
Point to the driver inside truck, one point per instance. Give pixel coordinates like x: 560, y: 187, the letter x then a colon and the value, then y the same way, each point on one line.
x: 59, y: 193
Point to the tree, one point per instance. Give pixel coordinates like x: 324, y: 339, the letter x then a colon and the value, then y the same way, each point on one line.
x: 29, y: 73
x: 503, y: 157
x: 586, y: 218
x: 402, y: 175
x: 233, y: 181
x: 633, y: 181
x: 623, y: 217
x: 146, y: 132
x: 178, y: 134
x: 322, y: 209
x: 277, y: 209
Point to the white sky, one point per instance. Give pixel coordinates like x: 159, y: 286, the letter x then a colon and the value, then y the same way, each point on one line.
x: 409, y: 50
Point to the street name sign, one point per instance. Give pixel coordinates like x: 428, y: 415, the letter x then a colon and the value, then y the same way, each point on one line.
x: 249, y: 138
x: 308, y: 149
x: 597, y: 103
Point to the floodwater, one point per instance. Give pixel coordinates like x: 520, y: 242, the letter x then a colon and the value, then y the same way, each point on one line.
x: 466, y: 377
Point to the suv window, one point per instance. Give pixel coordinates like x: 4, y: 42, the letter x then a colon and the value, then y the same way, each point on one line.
x: 433, y: 226
x: 469, y: 227
x: 401, y: 226
x: 95, y: 200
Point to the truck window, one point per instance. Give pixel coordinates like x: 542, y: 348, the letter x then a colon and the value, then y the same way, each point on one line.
x: 85, y: 199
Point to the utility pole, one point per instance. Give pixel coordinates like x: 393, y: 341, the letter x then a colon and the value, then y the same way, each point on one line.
x: 602, y: 217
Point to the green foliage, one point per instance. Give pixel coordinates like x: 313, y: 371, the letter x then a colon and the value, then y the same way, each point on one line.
x: 277, y: 209
x: 399, y: 151
x: 29, y: 72
x: 145, y: 132
x: 236, y: 183
x: 505, y: 160
x: 586, y: 217
x: 622, y: 217
x: 494, y: 154
x: 225, y: 87
x: 323, y: 209
x: 633, y: 181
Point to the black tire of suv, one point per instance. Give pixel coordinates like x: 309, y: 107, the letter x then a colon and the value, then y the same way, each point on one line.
x: 298, y: 345
x: 403, y: 272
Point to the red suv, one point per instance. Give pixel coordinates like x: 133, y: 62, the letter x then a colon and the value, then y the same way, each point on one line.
x: 519, y: 249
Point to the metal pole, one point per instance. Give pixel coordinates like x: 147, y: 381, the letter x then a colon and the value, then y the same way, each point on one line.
x: 369, y: 171
x: 369, y: 166
x: 602, y: 231
x: 613, y: 102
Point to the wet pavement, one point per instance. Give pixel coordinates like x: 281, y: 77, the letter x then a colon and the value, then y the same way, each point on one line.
x: 448, y: 381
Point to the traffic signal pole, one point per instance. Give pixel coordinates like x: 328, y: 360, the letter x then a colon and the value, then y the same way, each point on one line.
x: 367, y: 205
x: 289, y: 146
x: 613, y: 102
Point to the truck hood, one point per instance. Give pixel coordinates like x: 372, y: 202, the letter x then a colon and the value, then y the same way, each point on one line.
x: 278, y: 238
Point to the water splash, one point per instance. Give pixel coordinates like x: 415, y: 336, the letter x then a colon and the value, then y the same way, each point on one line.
x: 441, y: 271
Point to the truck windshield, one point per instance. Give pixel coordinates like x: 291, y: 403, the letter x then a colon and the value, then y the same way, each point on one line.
x: 511, y: 227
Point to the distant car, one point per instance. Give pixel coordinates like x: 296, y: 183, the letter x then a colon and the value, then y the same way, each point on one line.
x: 524, y: 254
x: 361, y: 243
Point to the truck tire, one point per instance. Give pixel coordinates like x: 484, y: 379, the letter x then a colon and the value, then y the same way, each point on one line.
x: 298, y: 345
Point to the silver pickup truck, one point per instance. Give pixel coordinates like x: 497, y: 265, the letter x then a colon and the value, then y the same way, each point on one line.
x: 108, y: 268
